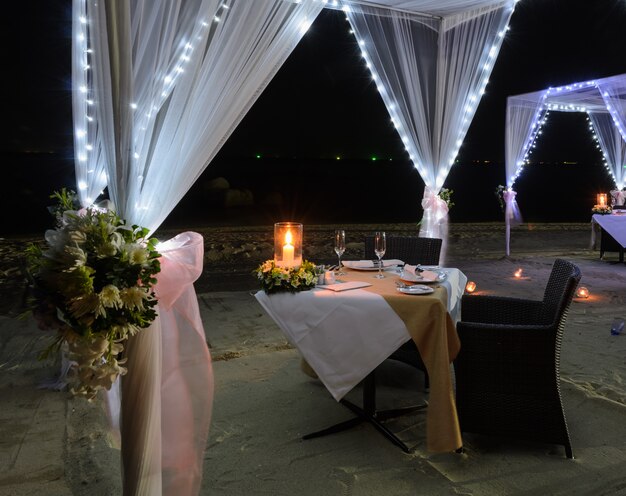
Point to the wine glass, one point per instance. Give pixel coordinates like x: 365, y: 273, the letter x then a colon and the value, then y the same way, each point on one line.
x: 380, y: 246
x: 340, y: 248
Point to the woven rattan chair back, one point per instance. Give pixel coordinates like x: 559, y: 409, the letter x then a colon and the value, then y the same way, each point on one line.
x: 559, y: 291
x: 410, y: 249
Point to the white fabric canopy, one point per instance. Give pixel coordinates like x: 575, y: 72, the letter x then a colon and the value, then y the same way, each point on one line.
x: 604, y: 101
x: 159, y: 86
x: 431, y: 61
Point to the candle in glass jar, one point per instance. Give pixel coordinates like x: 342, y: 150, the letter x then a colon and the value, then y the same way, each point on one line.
x: 602, y: 199
x: 288, y: 250
x: 518, y: 273
x: 470, y: 287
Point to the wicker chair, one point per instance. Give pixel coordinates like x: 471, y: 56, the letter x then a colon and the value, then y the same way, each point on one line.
x: 507, y: 372
x: 409, y: 249
x: 412, y: 250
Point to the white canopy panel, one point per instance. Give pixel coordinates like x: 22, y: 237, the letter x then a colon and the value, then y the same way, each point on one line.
x: 437, y: 8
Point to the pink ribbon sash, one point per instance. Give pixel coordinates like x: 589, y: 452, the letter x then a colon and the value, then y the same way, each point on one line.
x: 167, y: 394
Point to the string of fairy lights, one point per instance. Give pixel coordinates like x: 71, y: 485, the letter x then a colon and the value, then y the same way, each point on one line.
x: 541, y: 118
x: 469, y: 106
x: 85, y: 128
x: 82, y: 76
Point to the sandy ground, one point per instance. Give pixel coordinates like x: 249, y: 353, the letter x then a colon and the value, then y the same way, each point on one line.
x: 55, y: 445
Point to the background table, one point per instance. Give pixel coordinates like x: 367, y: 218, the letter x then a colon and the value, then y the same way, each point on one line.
x: 613, y: 235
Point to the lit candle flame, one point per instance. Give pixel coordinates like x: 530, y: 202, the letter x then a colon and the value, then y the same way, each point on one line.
x: 518, y: 273
x: 470, y: 287
x: 288, y: 237
x: 582, y: 292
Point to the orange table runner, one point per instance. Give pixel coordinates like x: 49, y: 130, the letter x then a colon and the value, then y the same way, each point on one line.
x: 434, y: 333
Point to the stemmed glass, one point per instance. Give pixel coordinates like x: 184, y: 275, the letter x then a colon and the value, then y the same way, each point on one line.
x: 340, y: 248
x: 380, y: 246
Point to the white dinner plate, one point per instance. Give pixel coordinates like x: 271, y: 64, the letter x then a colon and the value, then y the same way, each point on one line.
x: 408, y: 277
x: 418, y: 289
x: 366, y: 268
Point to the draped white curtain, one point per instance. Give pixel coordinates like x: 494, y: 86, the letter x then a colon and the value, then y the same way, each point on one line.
x: 431, y: 71
x: 524, y: 116
x: 168, y: 83
x: 158, y: 88
x: 612, y: 144
x: 527, y: 113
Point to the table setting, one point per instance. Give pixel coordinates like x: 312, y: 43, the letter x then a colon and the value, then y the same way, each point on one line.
x: 349, y: 325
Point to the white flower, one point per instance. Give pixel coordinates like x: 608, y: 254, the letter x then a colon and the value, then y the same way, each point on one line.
x: 71, y: 217
x: 106, y: 250
x: 85, y: 305
x: 116, y: 240
x: 79, y: 256
x: 137, y: 254
x: 133, y: 297
x: 77, y: 236
x: 110, y: 297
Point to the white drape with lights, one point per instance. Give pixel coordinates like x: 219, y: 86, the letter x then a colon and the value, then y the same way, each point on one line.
x: 158, y: 87
x: 604, y: 101
x: 431, y: 71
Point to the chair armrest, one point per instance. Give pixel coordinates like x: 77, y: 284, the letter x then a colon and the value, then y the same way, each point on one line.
x: 500, y: 310
x: 494, y: 329
x: 501, y: 354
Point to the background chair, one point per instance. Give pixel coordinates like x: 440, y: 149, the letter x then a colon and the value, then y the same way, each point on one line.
x: 410, y: 249
x: 507, y: 372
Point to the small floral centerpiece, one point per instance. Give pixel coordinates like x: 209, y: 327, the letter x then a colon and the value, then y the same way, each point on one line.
x: 601, y: 209
x: 293, y: 279
x: 93, y: 284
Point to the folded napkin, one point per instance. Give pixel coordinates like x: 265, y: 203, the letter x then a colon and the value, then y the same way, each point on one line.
x: 424, y: 275
x: 344, y: 286
x: 366, y: 264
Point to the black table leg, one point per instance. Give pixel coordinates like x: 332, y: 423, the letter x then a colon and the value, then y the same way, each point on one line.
x: 368, y: 413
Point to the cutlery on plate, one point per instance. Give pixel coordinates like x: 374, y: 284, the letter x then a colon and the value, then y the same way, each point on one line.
x: 402, y: 285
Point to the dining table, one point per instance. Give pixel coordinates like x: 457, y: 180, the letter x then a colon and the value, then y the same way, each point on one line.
x: 345, y: 332
x: 613, y: 225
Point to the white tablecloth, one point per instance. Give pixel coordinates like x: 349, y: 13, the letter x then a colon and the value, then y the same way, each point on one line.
x: 345, y: 335
x: 614, y: 224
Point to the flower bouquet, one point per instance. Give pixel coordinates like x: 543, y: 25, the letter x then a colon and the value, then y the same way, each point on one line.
x: 92, y: 283
x: 293, y: 279
x: 601, y: 209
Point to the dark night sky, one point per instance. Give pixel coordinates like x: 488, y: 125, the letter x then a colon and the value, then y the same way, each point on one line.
x: 322, y: 103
